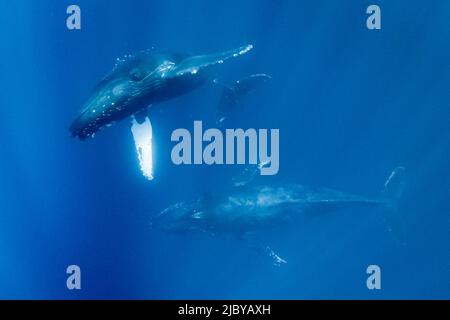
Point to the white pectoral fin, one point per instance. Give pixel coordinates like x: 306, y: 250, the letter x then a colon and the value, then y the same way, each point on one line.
x: 142, y: 136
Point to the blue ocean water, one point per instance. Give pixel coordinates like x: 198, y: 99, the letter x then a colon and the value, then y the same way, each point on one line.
x: 351, y: 104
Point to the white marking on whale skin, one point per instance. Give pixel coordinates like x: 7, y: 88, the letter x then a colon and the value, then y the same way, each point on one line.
x: 277, y: 260
x: 118, y: 90
x: 195, y: 63
x: 268, y: 197
x: 198, y: 215
x: 246, y: 49
x: 163, y: 68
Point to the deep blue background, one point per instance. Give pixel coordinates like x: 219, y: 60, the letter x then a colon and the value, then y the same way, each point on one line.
x: 351, y: 104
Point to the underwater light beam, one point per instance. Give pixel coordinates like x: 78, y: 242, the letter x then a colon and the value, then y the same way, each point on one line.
x: 142, y: 135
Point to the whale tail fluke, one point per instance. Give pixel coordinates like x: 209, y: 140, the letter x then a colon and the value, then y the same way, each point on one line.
x: 245, y: 85
x: 391, y: 194
x: 233, y: 93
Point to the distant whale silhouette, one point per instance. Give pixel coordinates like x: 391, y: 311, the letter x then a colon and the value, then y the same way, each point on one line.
x: 142, y: 79
x: 246, y: 210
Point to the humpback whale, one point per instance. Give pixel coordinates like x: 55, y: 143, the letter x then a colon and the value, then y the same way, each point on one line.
x: 259, y: 208
x: 142, y: 79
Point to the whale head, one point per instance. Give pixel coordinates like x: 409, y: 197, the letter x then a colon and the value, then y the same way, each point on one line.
x: 134, y: 83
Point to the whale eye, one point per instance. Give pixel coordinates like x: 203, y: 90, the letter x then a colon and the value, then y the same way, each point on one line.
x: 136, y: 74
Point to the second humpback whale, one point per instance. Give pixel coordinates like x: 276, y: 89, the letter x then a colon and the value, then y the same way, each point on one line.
x: 261, y: 208
x: 142, y: 79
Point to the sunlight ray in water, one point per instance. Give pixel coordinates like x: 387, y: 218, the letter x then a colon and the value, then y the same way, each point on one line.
x: 142, y: 135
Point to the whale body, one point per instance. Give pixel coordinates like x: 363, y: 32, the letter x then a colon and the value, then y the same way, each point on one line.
x: 256, y: 209
x: 143, y: 79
